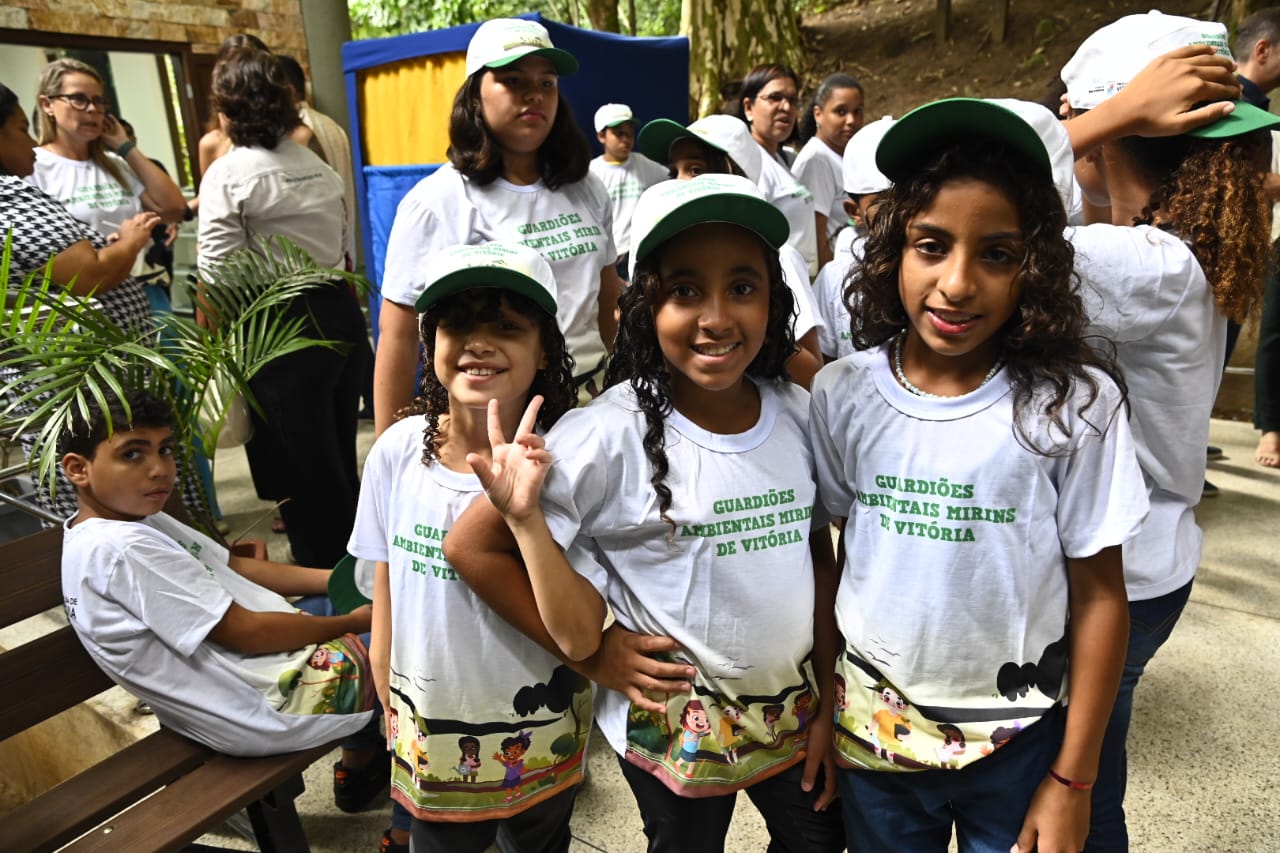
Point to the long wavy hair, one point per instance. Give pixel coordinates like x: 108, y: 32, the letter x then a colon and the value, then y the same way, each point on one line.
x: 459, y: 313
x: 47, y: 130
x: 1208, y: 193
x: 251, y: 90
x: 1046, y: 350
x: 638, y: 358
x: 473, y: 150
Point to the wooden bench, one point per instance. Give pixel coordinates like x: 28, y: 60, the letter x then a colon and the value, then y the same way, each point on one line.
x: 158, y: 794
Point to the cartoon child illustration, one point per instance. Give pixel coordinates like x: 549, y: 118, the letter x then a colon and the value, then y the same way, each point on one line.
x: 418, y: 756
x: 772, y: 713
x: 325, y: 659
x: 952, y: 745
x: 842, y: 702
x: 469, y: 759
x: 730, y: 730
x: 696, y: 725
x: 887, y: 726
x: 800, y: 709
x: 393, y: 728
x: 511, y: 756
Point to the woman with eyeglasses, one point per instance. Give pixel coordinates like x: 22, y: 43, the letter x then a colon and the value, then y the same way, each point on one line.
x: 770, y: 106
x: 86, y: 159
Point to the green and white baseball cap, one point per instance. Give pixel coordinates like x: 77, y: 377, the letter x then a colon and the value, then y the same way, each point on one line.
x: 858, y: 165
x: 505, y: 266
x: 670, y: 207
x: 922, y: 133
x: 1109, y: 59
x: 612, y: 115
x: 502, y: 41
x: 724, y: 133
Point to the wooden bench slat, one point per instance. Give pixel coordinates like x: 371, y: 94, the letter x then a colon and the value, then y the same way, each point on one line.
x: 46, y: 676
x: 31, y: 575
x: 82, y: 802
x: 196, y: 803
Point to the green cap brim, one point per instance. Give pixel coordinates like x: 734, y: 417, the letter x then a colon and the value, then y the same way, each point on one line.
x: 920, y: 134
x: 343, y: 592
x: 563, y: 61
x: 474, y: 277
x: 1245, y: 118
x: 656, y: 138
x: 753, y: 214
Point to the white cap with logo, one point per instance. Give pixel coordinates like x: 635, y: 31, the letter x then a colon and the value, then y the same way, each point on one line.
x: 502, y: 41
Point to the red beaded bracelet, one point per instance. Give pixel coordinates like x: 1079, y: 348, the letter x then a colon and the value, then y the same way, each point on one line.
x: 1071, y: 783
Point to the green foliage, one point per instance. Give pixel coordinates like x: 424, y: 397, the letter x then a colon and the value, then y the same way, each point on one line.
x: 377, y: 18
x: 61, y: 355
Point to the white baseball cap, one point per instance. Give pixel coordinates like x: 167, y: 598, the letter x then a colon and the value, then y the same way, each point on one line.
x: 669, y: 207
x: 502, y: 41
x: 1110, y: 58
x: 612, y: 115
x: 1057, y: 144
x: 505, y: 266
x: 724, y: 133
x: 858, y: 165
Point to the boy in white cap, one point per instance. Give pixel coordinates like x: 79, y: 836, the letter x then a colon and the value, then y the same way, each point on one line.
x: 863, y: 183
x: 625, y: 174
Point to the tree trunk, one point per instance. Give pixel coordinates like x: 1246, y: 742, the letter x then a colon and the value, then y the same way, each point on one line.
x: 603, y: 15
x: 728, y: 37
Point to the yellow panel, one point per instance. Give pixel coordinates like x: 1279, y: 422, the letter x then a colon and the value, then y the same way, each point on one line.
x: 405, y: 107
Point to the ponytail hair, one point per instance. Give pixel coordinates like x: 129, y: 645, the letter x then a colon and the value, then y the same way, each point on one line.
x: 807, y: 126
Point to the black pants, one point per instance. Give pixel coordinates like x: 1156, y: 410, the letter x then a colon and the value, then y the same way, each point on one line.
x: 544, y: 828
x: 304, y: 449
x: 675, y: 824
x: 1266, y: 368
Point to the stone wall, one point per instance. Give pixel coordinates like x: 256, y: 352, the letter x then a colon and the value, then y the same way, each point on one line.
x: 201, y: 23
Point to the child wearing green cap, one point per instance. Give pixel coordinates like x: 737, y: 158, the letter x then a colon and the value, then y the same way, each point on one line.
x: 448, y: 669
x: 1184, y: 251
x: 517, y: 173
x: 977, y: 447
x: 683, y: 498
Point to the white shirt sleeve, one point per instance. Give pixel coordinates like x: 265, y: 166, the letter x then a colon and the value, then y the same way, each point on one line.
x: 434, y: 215
x: 835, y: 473
x: 222, y: 227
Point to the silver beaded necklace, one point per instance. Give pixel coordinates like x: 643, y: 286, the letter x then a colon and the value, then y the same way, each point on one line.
x: 906, y: 383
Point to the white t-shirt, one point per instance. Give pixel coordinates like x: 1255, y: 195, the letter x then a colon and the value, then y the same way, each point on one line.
x: 624, y: 182
x: 796, y: 203
x: 1144, y: 290
x: 336, y: 146
x: 743, y: 512
x: 953, y: 596
x: 88, y: 191
x: 836, y: 338
x: 253, y: 192
x: 458, y: 669
x: 143, y: 597
x: 572, y: 227
x: 795, y: 275
x: 822, y: 171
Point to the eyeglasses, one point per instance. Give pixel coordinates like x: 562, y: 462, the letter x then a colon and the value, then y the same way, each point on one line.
x: 82, y: 102
x: 776, y: 98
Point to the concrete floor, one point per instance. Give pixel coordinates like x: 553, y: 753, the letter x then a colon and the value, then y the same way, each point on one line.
x: 1208, y: 702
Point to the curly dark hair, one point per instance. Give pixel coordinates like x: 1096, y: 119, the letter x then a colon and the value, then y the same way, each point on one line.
x: 1208, y: 193
x: 460, y: 312
x: 638, y: 358
x: 84, y: 434
x: 250, y: 88
x: 563, y: 156
x: 1044, y: 344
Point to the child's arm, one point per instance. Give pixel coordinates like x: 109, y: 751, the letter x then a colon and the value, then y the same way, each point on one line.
x: 1058, y: 819
x: 571, y: 608
x: 282, y: 578
x: 255, y: 632
x: 380, y: 633
x: 1160, y: 100
x: 826, y: 641
x: 482, y: 550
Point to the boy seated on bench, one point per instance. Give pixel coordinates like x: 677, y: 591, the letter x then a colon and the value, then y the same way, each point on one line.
x: 204, y: 637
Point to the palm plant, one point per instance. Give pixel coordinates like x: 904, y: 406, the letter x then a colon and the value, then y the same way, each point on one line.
x: 61, y: 356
